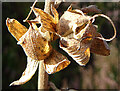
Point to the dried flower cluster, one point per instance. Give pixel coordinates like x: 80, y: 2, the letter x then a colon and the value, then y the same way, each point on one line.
x: 78, y: 36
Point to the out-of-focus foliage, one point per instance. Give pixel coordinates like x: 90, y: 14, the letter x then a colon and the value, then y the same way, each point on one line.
x: 100, y: 73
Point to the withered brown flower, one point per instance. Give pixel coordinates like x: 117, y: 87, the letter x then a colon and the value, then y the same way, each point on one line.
x: 36, y: 45
x: 78, y: 36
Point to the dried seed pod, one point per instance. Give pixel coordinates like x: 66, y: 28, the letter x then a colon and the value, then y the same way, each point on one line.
x: 70, y: 20
x: 79, y: 50
x: 35, y: 45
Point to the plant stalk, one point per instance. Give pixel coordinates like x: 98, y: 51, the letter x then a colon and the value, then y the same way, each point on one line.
x: 42, y: 75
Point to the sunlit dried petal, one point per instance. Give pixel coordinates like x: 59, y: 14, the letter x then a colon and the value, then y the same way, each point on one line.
x: 55, y: 62
x: 84, y: 59
x: 45, y: 34
x: 15, y: 28
x: 55, y: 13
x: 70, y: 20
x: 47, y: 21
x: 89, y: 33
x: 35, y: 45
x: 79, y: 51
x: 100, y: 46
x: 28, y: 73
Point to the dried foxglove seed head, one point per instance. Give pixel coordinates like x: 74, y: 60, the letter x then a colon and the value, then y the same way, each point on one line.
x: 70, y: 20
x: 79, y: 50
x: 35, y: 45
x: 76, y: 22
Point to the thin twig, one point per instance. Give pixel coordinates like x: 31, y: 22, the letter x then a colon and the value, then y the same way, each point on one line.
x: 30, y: 11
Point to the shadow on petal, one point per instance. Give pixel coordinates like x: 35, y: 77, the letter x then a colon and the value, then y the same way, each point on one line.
x: 100, y: 46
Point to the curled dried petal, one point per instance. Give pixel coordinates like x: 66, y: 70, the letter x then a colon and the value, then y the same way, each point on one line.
x: 47, y: 21
x: 16, y: 28
x: 91, y: 8
x: 35, y: 45
x: 28, y: 73
x: 55, y: 62
x: 69, y: 21
x: 100, y: 46
x: 79, y: 51
x: 102, y: 15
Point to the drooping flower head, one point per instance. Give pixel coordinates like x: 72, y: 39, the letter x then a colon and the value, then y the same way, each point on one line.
x: 78, y: 37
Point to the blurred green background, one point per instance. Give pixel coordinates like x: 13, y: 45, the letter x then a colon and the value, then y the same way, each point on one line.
x: 100, y: 73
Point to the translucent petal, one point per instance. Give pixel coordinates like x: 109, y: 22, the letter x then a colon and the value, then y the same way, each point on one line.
x: 16, y: 28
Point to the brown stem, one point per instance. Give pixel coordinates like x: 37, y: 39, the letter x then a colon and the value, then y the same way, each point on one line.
x: 47, y: 7
x: 42, y: 75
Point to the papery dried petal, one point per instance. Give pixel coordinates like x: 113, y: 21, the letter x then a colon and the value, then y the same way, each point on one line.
x: 16, y: 28
x: 84, y: 59
x: 100, y: 46
x: 28, y: 73
x: 55, y: 13
x: 79, y: 51
x: 70, y: 20
x: 89, y: 33
x: 35, y: 45
x: 55, y: 62
x: 91, y: 8
x: 47, y: 21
